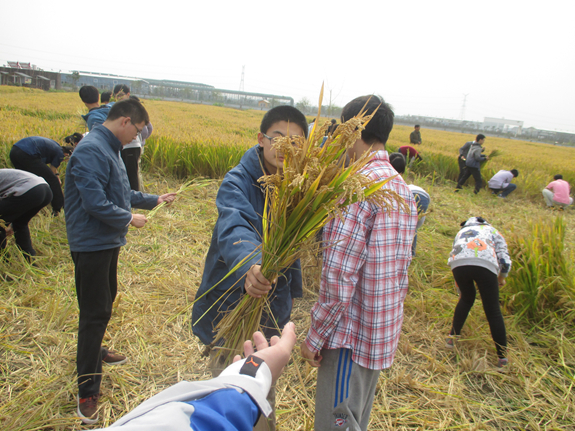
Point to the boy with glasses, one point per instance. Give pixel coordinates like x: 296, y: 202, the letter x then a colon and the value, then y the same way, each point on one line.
x: 98, y: 213
x: 237, y: 234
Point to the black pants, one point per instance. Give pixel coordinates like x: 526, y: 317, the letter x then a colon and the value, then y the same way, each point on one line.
x: 476, y: 175
x: 19, y: 210
x: 25, y: 162
x: 488, y: 286
x: 96, y: 288
x: 462, y: 168
x: 131, y: 158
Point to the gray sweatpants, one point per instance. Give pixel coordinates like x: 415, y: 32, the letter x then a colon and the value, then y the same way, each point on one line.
x: 344, y: 393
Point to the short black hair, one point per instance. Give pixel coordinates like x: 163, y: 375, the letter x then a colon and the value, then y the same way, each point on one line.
x: 129, y: 108
x: 67, y: 150
x: 558, y: 177
x: 479, y: 137
x: 284, y: 113
x: 379, y: 128
x: 89, y: 94
x: 416, y: 126
x: 121, y: 87
x: 397, y: 160
x: 105, y: 97
x: 74, y: 138
x: 515, y: 172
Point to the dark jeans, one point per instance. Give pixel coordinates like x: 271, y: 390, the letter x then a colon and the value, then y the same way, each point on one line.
x: 506, y: 191
x: 96, y: 287
x: 131, y: 158
x: 25, y: 162
x: 476, y: 175
x: 462, y: 168
x: 488, y: 286
x: 19, y: 210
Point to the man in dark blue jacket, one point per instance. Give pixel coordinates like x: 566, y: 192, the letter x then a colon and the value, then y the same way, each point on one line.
x: 98, y: 213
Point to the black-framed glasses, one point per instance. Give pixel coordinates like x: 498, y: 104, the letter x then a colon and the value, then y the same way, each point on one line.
x: 139, y: 135
x: 273, y: 138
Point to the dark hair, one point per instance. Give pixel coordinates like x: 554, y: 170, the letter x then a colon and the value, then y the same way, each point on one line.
x: 73, y: 139
x: 479, y: 220
x: 379, y: 128
x: 331, y: 129
x: 416, y: 126
x: 284, y: 113
x: 479, y: 137
x: 121, y: 87
x: 89, y: 94
x: 136, y: 98
x: 558, y: 177
x: 515, y: 172
x: 129, y: 108
x: 397, y: 160
x: 105, y: 97
x: 67, y: 149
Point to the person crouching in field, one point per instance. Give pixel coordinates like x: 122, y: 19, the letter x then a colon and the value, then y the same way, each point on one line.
x: 98, y: 212
x: 479, y: 256
x: 557, y: 193
x: 237, y: 233
x: 500, y: 184
x: 32, y: 154
x: 356, y: 322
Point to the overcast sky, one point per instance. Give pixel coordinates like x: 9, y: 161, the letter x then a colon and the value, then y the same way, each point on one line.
x: 514, y: 59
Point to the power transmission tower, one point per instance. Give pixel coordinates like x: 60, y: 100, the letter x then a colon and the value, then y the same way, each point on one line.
x: 242, y: 87
x: 462, y: 114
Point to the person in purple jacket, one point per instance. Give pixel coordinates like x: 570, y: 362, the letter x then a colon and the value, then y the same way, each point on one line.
x: 98, y: 213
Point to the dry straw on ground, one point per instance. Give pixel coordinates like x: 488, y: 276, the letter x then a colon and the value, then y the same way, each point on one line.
x: 427, y: 388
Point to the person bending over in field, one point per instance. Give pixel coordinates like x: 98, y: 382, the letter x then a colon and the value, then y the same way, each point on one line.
x: 98, y: 213
x: 237, y: 233
x: 479, y: 256
x: 421, y: 197
x: 97, y: 114
x: 33, y: 154
x: 356, y: 322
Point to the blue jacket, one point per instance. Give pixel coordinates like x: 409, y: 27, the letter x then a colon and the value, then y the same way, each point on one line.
x: 97, y: 194
x: 48, y: 150
x: 96, y: 116
x: 240, y: 203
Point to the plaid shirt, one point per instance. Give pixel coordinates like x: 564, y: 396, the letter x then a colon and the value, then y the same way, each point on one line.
x: 364, y: 276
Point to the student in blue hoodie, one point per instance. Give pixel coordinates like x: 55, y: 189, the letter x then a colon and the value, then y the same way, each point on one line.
x: 237, y: 233
x: 97, y: 114
x: 98, y: 213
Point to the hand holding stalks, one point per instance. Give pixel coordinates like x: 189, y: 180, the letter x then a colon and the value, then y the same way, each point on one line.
x: 256, y: 285
x: 314, y: 359
x: 168, y: 198
x: 138, y: 220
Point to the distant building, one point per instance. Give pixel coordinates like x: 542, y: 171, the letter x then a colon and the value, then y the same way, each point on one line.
x: 28, y: 75
x: 502, y: 125
x: 264, y: 104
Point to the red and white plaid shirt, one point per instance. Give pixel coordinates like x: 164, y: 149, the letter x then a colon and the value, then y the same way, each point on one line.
x: 364, y: 276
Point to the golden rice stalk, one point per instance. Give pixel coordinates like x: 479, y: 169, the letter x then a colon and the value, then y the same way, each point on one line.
x: 192, y: 184
x: 316, y: 184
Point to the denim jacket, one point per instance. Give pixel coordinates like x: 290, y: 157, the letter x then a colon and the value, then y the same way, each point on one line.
x: 98, y: 199
x: 238, y: 230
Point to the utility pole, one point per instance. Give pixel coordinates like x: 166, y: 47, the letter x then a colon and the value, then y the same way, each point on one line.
x: 462, y: 114
x: 242, y: 97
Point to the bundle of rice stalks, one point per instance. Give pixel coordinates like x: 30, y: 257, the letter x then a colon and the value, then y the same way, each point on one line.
x: 183, y: 188
x: 316, y: 184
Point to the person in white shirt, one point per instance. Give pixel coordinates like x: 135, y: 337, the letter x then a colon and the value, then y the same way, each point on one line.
x: 501, y: 185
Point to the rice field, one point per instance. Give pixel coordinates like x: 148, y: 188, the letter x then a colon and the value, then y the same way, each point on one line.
x: 427, y: 388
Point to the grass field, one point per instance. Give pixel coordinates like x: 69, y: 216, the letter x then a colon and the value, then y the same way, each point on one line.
x: 427, y: 388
